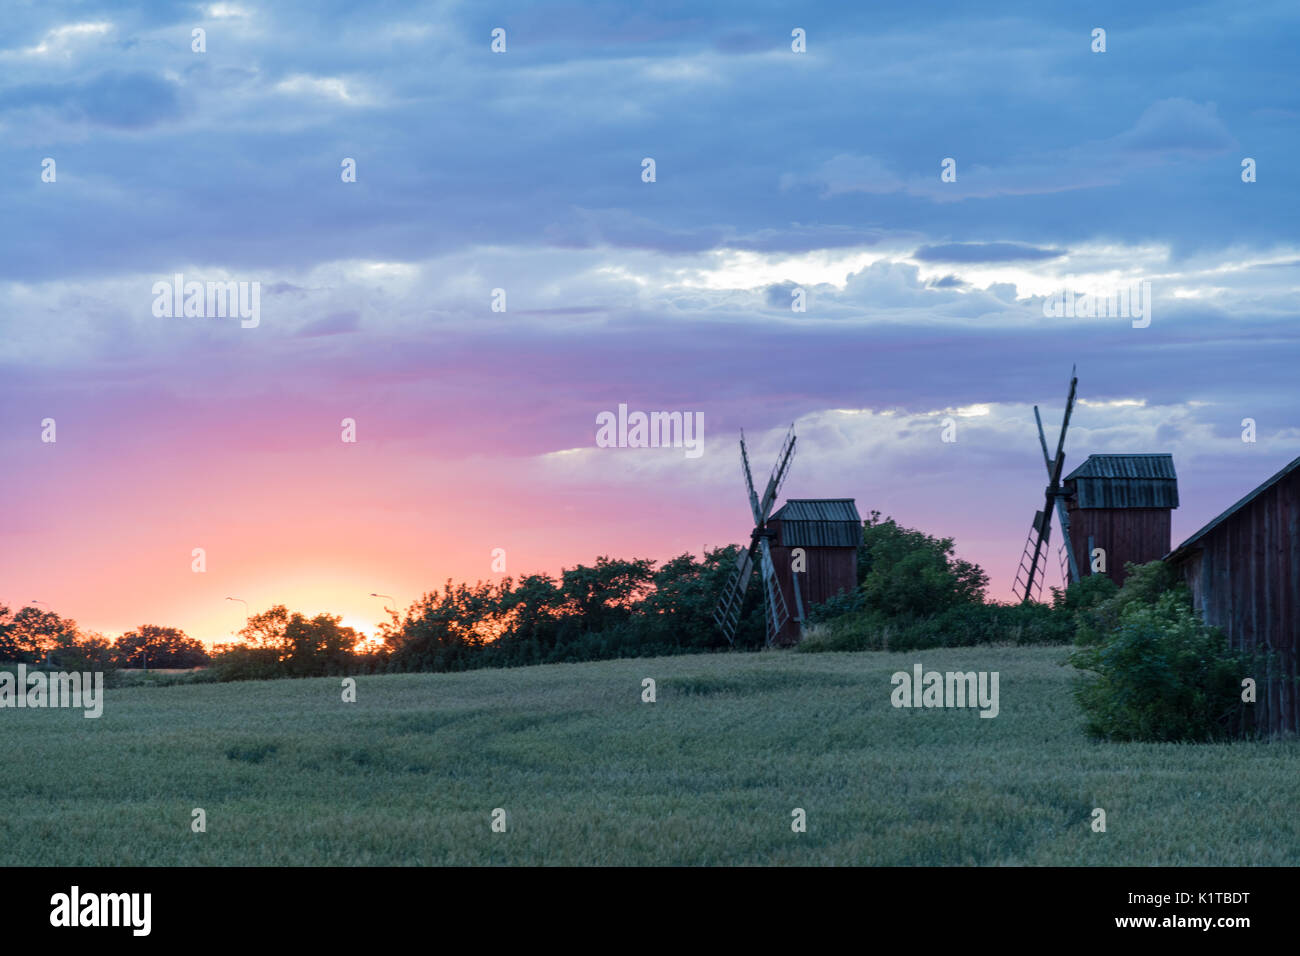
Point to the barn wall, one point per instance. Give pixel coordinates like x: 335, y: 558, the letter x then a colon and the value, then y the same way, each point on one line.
x: 829, y: 571
x: 1127, y: 534
x: 1246, y: 579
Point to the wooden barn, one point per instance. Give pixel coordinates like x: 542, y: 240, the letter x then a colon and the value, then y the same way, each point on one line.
x: 829, y: 531
x: 1121, y: 504
x: 1243, y: 569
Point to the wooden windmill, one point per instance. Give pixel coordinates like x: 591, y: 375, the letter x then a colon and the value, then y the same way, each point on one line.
x: 727, y: 613
x: 1033, y: 562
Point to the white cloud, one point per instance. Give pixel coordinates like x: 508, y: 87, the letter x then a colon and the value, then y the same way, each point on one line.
x: 224, y: 11
x: 61, y: 39
x: 326, y: 87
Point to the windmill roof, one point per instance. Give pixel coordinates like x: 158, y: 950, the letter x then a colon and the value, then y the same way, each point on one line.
x: 1124, y: 481
x: 1185, y: 548
x: 819, y: 509
x: 819, y: 523
x: 1126, y: 466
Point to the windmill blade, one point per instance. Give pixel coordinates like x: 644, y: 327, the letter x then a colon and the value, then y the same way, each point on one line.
x: 1063, y: 518
x: 1035, y: 553
x: 1055, y: 497
x: 749, y: 481
x: 777, y: 477
x: 1042, y: 440
x: 1062, y: 515
x: 1069, y: 407
x: 1042, y: 534
x: 727, y: 613
x: 1036, y: 545
x: 777, y: 613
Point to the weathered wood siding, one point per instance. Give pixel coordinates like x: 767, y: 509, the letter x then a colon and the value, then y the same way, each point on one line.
x: 829, y: 570
x: 1126, y: 534
x: 1245, y: 578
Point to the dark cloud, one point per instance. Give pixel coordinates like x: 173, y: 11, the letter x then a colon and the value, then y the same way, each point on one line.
x: 779, y: 295
x: 123, y: 100
x: 561, y: 123
x: 985, y: 252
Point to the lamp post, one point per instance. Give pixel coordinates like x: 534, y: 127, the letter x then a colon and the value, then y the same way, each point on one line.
x: 392, y: 611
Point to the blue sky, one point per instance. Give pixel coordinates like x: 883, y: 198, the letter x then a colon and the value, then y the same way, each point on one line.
x: 522, y: 170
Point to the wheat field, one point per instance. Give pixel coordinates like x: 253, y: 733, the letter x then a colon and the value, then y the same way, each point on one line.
x: 711, y: 772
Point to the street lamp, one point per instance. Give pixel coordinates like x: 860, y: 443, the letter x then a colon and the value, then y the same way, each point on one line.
x: 390, y: 610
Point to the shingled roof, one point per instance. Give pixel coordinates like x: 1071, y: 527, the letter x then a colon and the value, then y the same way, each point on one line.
x: 1124, y: 481
x: 1126, y: 466
x: 819, y: 523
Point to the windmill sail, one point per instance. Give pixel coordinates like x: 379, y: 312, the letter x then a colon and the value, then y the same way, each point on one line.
x: 1034, y: 559
x: 727, y: 613
x: 777, y: 614
x: 1070, y: 571
x: 777, y: 477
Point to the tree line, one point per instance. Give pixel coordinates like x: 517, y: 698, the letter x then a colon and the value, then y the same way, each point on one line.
x: 39, y: 637
x: 612, y: 608
x: 911, y: 590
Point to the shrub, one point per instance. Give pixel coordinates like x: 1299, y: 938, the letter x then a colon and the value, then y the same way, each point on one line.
x: 959, y: 626
x: 240, y: 662
x: 906, y: 572
x: 857, y: 631
x: 1160, y: 674
x: 845, y: 602
x: 912, y: 593
x: 1100, y: 609
x: 1084, y: 594
x: 1034, y: 624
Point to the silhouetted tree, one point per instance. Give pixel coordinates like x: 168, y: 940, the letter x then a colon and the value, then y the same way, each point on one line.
x: 154, y: 646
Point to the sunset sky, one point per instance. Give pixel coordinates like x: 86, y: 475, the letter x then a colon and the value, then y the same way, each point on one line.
x: 523, y: 171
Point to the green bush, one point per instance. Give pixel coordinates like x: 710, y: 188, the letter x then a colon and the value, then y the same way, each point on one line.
x: 959, y: 626
x: 855, y: 631
x: 1160, y: 674
x: 845, y: 602
x: 240, y: 662
x: 912, y: 593
x: 906, y: 572
x: 1084, y: 594
x: 1099, y: 608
